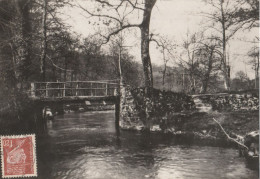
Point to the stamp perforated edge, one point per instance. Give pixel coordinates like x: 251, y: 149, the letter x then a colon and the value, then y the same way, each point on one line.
x: 34, y: 155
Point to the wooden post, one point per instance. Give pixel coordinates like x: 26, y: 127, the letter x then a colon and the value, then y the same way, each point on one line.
x: 117, y: 113
x: 39, y: 118
x: 95, y: 93
x: 91, y: 92
x: 77, y: 86
x: 46, y: 92
x: 115, y: 91
x: 64, y: 87
x: 106, y: 90
x: 32, y: 90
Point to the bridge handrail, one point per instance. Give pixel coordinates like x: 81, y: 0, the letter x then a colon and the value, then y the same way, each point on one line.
x: 68, y: 88
x: 101, y: 82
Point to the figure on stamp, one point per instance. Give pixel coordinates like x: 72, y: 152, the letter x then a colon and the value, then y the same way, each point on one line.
x: 17, y: 155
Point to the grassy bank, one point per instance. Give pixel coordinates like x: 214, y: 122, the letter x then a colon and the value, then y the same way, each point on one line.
x: 239, y: 122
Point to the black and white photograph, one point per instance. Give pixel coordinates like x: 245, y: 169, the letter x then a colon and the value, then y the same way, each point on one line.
x: 129, y: 89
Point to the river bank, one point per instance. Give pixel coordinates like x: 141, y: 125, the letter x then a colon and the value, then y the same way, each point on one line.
x: 202, y: 123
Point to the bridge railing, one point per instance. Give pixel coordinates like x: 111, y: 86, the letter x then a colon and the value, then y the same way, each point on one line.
x: 73, y: 89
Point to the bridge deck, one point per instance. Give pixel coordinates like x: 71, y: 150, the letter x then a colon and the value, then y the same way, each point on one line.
x: 74, y: 91
x: 75, y: 98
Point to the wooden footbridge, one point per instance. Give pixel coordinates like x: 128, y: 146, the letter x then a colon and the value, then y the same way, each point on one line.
x: 56, y: 94
x: 72, y: 91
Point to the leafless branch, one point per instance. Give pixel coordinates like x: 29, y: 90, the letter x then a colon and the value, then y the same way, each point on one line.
x: 230, y: 138
x: 99, y: 15
x: 104, y: 2
x: 134, y: 5
x: 117, y: 31
x: 56, y: 66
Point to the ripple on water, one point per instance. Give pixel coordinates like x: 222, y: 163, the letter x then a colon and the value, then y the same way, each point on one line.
x: 86, y: 146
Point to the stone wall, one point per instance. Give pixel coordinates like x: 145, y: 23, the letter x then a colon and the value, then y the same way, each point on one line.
x: 169, y: 108
x: 231, y: 102
x: 132, y: 108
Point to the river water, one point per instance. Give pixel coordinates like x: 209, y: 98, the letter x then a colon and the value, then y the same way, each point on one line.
x: 86, y: 145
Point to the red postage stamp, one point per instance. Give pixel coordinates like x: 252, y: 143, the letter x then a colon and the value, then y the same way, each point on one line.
x: 18, y: 156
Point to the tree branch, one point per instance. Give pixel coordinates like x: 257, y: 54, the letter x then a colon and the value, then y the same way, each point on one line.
x: 134, y: 5
x: 230, y: 138
x: 104, y: 2
x: 99, y: 15
x: 56, y: 66
x: 117, y: 31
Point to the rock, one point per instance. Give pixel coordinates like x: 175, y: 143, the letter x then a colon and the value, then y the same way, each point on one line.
x: 178, y: 132
x: 139, y: 127
x: 252, y: 142
x: 155, y: 128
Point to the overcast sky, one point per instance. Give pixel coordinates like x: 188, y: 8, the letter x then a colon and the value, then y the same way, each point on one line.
x: 174, y: 18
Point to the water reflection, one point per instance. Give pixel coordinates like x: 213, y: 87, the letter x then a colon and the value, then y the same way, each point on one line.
x: 87, y: 145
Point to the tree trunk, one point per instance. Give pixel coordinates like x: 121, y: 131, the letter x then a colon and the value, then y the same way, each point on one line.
x: 119, y: 67
x: 192, y: 75
x: 164, y: 70
x: 256, y: 71
x: 226, y: 77
x: 145, y: 53
x: 44, y: 41
x: 146, y: 60
x: 224, y: 61
x: 24, y: 45
x: 54, y: 73
x: 164, y: 74
x: 207, y: 76
x: 65, y: 69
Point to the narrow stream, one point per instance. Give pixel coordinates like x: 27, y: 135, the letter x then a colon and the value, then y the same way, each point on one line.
x: 86, y: 145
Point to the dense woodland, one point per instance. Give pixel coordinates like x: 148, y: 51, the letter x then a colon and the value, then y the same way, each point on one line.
x: 38, y: 45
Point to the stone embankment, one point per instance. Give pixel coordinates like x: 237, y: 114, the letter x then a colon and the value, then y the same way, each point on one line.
x: 177, y: 113
x: 132, y: 112
x: 241, y: 101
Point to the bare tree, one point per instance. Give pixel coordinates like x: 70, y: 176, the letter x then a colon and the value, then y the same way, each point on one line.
x: 168, y: 50
x: 121, y: 10
x: 254, y: 54
x: 242, y: 76
x: 222, y: 23
x: 209, y: 57
x: 123, y: 65
x: 188, y: 59
x: 200, y: 59
x: 117, y: 47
